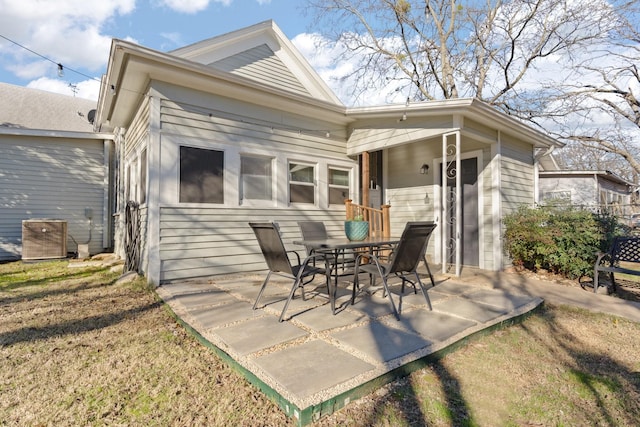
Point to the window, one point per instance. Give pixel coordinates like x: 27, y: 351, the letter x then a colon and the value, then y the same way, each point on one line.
x: 201, y: 175
x: 256, y: 178
x: 143, y: 176
x: 301, y: 183
x: 338, y: 186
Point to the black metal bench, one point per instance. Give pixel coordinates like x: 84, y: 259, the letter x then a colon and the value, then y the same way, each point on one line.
x: 623, y: 249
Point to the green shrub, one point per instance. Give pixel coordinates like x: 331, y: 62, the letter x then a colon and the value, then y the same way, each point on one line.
x: 561, y: 240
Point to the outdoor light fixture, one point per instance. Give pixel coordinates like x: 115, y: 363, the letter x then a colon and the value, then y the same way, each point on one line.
x: 60, y: 70
x: 424, y: 169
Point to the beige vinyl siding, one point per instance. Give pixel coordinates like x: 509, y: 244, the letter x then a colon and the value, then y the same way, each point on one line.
x: 55, y: 179
x: 517, y: 174
x: 199, y: 242
x: 372, y: 135
x: 263, y: 65
x: 287, y: 132
x: 199, y: 239
x: 138, y: 130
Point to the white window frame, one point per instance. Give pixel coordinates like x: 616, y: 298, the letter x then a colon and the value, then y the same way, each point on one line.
x: 347, y: 187
x: 309, y: 184
x: 257, y: 202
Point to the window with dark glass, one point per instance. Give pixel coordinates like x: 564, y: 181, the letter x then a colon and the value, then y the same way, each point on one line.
x: 301, y: 183
x: 201, y: 175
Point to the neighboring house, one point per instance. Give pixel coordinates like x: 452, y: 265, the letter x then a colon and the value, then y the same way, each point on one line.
x: 240, y: 128
x: 52, y: 166
x: 599, y: 191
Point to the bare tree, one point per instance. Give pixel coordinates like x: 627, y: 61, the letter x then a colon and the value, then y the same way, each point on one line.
x: 544, y: 61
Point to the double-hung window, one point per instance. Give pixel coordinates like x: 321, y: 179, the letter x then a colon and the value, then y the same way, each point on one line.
x: 338, y: 186
x: 256, y: 178
x: 302, y: 183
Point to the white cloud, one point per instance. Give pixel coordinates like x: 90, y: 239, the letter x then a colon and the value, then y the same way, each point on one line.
x: 88, y: 89
x: 191, y: 6
x: 65, y: 31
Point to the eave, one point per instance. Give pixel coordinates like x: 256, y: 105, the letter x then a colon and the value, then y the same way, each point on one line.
x: 132, y: 68
x: 463, y: 107
x: 55, y: 133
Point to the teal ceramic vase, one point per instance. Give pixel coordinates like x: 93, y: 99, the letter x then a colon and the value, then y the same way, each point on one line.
x: 356, y: 230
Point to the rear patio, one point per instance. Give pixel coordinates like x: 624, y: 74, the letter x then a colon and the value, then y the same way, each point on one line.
x: 316, y: 363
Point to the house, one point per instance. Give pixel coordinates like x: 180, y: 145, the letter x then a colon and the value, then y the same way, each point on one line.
x: 599, y: 191
x: 53, y: 166
x: 240, y: 128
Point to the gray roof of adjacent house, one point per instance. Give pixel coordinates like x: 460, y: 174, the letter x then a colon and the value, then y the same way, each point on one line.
x: 33, y: 109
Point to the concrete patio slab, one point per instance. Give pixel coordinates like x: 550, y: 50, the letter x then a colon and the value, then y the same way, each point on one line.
x: 311, y: 368
x: 221, y: 315
x: 315, y: 362
x: 258, y: 334
x: 380, y: 342
x: 467, y: 309
x: 203, y: 298
x: 434, y: 326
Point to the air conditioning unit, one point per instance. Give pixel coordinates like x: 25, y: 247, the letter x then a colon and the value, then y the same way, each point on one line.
x: 44, y: 239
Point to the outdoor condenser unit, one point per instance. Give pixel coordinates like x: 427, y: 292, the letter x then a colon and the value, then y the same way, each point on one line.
x: 44, y: 239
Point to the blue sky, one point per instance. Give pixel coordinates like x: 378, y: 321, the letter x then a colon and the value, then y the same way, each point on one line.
x: 78, y: 33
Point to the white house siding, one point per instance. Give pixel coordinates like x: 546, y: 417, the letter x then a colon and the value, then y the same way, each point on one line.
x: 56, y: 179
x: 372, y: 135
x: 197, y: 240
x: 262, y: 65
x: 517, y: 172
x: 205, y: 241
x: 136, y: 137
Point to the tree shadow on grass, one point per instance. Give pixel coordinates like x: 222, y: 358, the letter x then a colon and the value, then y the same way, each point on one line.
x: 601, y: 381
x: 77, y: 326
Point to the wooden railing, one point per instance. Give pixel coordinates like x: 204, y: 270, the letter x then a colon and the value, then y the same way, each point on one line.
x: 379, y: 220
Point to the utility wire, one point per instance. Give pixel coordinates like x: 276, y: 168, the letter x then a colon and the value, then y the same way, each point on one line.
x: 49, y: 59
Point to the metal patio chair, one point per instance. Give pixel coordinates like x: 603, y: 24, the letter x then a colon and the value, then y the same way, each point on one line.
x: 315, y: 230
x: 278, y: 262
x: 403, y: 262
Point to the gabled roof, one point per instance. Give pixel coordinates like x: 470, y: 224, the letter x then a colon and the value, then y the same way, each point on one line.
x: 255, y: 52
x: 229, y: 65
x: 23, y: 109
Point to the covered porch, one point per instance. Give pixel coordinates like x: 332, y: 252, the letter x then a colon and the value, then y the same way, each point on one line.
x: 316, y: 363
x: 458, y: 163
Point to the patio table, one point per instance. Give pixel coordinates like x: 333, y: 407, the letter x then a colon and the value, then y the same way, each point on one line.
x: 335, y: 246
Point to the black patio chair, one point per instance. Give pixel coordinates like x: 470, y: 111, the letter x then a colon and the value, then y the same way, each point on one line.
x: 315, y: 230
x: 278, y: 262
x: 404, y: 261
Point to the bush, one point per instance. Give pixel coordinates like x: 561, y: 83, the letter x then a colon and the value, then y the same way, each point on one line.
x: 561, y: 240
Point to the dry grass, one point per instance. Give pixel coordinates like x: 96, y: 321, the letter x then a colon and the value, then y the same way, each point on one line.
x: 78, y: 349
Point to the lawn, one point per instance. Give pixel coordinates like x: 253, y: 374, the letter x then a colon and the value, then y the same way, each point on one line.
x: 77, y: 348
